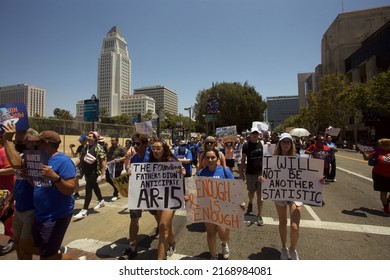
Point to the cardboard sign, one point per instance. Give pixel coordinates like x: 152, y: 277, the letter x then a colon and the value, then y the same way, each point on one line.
x: 14, y: 113
x: 121, y: 183
x: 156, y: 186
x: 290, y: 178
x: 365, y: 149
x: 215, y: 201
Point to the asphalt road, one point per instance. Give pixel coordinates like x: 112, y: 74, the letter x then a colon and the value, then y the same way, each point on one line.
x: 350, y: 226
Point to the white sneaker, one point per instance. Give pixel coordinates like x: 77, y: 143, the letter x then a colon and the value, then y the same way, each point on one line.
x: 81, y: 215
x: 225, y: 251
x: 99, y: 204
x: 284, y: 254
x: 294, y: 255
x: 114, y: 198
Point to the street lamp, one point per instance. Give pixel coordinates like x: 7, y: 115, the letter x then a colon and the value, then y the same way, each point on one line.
x: 189, y: 114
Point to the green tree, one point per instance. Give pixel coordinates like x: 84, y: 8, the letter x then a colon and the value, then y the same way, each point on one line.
x: 240, y: 105
x: 62, y: 114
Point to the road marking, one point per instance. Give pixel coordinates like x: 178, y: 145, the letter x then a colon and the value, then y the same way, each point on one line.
x: 356, y: 159
x: 312, y: 213
x: 353, y: 173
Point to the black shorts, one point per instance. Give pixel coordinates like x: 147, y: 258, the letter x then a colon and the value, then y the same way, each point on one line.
x: 381, y: 183
x: 230, y: 163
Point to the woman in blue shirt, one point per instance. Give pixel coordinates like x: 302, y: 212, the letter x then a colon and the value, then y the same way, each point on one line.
x: 215, y: 170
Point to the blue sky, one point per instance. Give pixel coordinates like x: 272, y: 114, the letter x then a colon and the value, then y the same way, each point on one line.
x: 185, y: 45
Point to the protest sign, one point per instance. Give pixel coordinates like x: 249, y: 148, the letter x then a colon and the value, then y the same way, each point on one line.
x: 156, y: 186
x: 144, y: 128
x: 332, y: 131
x: 290, y: 178
x: 14, y: 113
x: 365, y: 149
x: 121, y: 183
x: 34, y: 161
x: 227, y: 133
x: 268, y: 149
x: 215, y: 201
x: 111, y: 168
x: 261, y: 126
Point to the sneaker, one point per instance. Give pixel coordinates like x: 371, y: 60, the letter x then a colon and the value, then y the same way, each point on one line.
x: 114, y: 198
x: 82, y: 258
x: 171, y: 250
x: 334, y: 180
x: 284, y: 254
x: 386, y: 211
x: 214, y: 257
x: 81, y: 215
x: 260, y: 221
x: 76, y: 196
x: 8, y: 248
x: 63, y: 250
x: 250, y: 207
x: 225, y: 251
x: 294, y: 255
x: 129, y: 254
x: 99, y: 204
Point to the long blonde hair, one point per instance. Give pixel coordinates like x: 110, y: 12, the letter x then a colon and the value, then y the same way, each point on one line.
x: 278, y: 149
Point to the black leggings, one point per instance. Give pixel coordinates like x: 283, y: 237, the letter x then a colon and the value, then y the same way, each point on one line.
x: 91, y: 184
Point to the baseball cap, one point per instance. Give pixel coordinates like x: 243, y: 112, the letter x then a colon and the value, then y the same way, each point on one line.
x: 182, y: 142
x: 285, y: 136
x: 255, y: 129
x: 82, y: 138
x: 47, y: 136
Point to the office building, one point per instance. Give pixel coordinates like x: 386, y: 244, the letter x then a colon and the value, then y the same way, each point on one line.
x: 32, y: 96
x: 280, y: 108
x: 134, y: 104
x: 165, y: 98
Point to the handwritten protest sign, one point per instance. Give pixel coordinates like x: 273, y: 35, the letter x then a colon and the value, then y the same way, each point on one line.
x: 215, y: 201
x: 121, y: 183
x: 227, y: 133
x: 144, y: 128
x: 290, y: 178
x: 156, y: 186
x: 34, y: 160
x: 14, y: 113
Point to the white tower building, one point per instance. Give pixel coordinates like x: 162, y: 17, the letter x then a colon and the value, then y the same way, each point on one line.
x: 114, y: 72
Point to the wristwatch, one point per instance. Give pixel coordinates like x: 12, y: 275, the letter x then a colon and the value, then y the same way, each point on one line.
x: 57, y: 180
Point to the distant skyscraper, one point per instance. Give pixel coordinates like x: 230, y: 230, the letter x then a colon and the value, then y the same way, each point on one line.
x: 33, y: 97
x: 114, y: 73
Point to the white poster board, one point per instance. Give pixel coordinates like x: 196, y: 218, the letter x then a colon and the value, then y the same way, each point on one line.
x: 290, y: 178
x: 156, y: 186
x: 144, y: 128
x: 215, y: 201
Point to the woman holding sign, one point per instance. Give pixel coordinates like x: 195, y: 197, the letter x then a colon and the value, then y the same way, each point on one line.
x: 215, y: 170
x: 161, y: 152
x: 286, y: 147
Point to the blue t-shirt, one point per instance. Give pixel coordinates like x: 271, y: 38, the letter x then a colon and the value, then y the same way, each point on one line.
x: 23, y: 195
x: 217, y: 173
x: 137, y: 159
x: 184, y: 155
x: 49, y: 202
